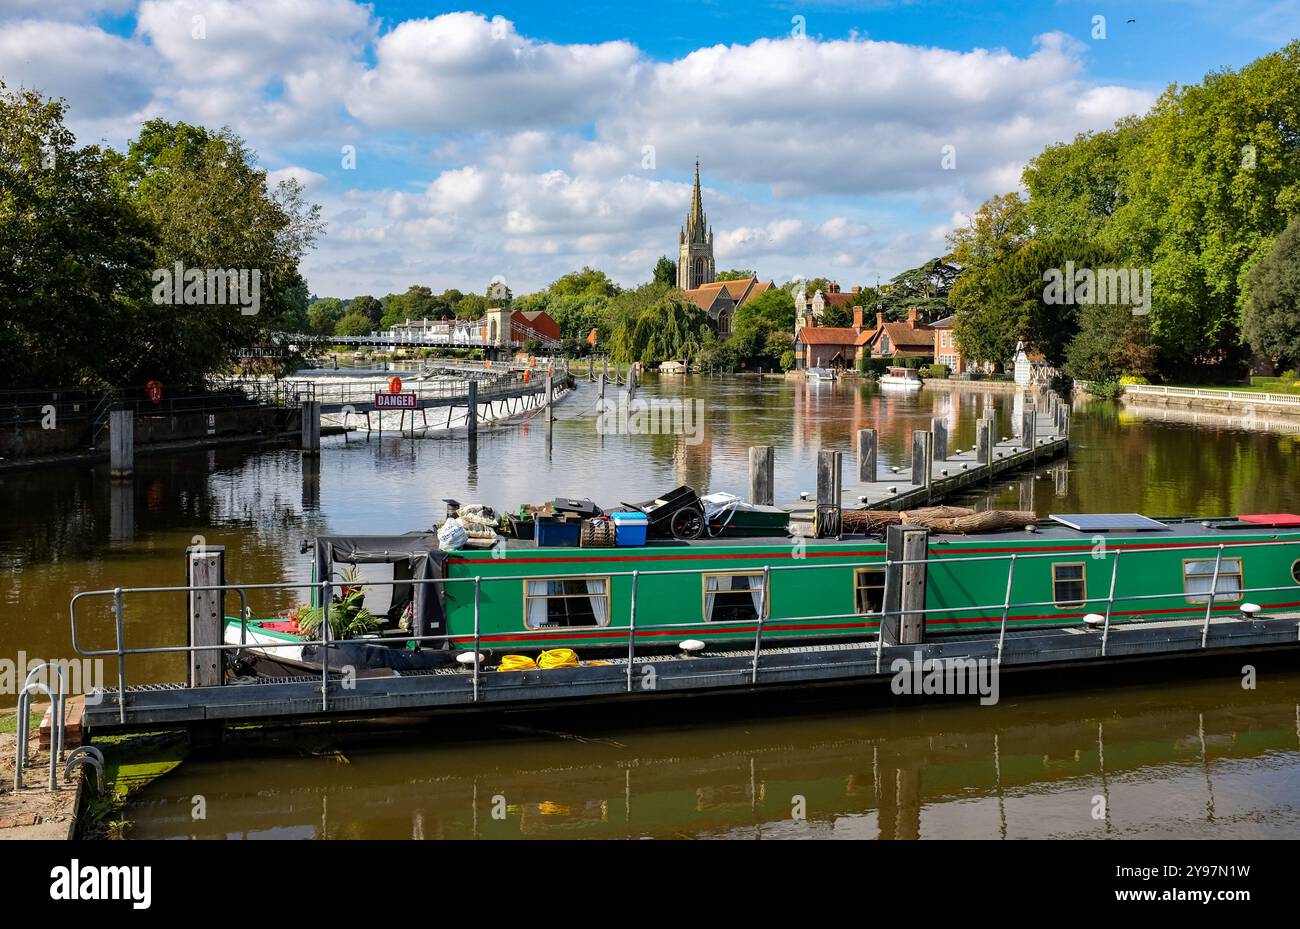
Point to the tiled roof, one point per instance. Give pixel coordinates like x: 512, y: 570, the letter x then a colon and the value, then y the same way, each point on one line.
x: 829, y: 335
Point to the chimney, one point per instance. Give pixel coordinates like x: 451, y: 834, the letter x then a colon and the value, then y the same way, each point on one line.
x: 857, y: 288
x: 880, y: 319
x: 857, y: 318
x: 834, y: 287
x: 911, y: 316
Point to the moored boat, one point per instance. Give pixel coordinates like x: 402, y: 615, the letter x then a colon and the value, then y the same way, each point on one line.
x: 521, y: 598
x: 901, y: 379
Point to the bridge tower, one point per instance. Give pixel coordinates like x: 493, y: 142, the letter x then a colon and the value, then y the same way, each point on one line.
x: 497, y: 321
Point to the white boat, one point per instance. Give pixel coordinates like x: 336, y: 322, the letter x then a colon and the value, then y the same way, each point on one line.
x: 901, y: 379
x: 820, y: 374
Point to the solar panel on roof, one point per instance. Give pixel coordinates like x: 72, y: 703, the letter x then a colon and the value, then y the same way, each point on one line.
x: 1105, y: 522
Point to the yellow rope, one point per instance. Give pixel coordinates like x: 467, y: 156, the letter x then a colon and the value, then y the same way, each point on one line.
x: 558, y: 658
x: 516, y: 663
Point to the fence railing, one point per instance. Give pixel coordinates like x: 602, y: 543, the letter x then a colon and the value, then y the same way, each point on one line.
x: 1241, y: 397
x: 872, y: 621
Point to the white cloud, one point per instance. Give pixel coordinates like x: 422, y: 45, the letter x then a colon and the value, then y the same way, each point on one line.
x: 463, y: 71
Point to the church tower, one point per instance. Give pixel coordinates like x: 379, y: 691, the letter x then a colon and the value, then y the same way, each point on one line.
x: 695, y: 254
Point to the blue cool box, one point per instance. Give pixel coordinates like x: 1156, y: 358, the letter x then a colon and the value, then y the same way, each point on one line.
x: 630, y: 528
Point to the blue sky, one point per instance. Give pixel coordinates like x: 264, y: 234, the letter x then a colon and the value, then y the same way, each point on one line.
x: 452, y: 144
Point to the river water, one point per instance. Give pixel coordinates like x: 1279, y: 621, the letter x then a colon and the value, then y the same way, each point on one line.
x: 1176, y: 758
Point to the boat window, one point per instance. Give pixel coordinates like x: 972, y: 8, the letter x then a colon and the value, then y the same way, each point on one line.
x: 869, y: 590
x: 1199, y: 575
x: 566, y: 601
x: 1069, y: 587
x: 732, y: 597
x: 1295, y: 572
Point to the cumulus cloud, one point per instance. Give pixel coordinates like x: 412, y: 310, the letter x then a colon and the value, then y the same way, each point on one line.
x: 464, y: 71
x: 483, y: 151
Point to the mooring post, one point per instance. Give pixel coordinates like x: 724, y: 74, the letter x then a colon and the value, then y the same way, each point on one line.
x: 601, y: 388
x: 922, y: 459
x: 471, y: 409
x: 906, y: 549
x: 1028, y: 429
x: 762, y: 467
x: 121, y: 439
x: 939, y: 428
x: 550, y: 395
x: 311, y: 427
x: 984, y: 442
x: 206, y: 567
x: 827, y: 523
x: 868, y: 443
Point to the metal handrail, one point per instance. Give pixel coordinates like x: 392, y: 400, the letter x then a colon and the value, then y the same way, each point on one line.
x: 742, y: 625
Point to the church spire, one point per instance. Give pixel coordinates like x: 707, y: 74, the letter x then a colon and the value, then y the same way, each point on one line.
x: 696, y: 225
x: 695, y: 251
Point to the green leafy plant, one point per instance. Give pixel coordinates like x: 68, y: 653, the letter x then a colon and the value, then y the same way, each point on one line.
x: 349, y: 618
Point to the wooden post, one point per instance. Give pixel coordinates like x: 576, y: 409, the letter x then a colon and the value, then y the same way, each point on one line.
x: 600, y: 380
x: 1065, y: 422
x: 868, y: 443
x: 311, y: 427
x: 828, y: 494
x: 762, y: 468
x: 984, y: 442
x: 903, y: 624
x: 550, y: 395
x: 206, y: 567
x: 939, y: 428
x: 922, y: 457
x: 121, y: 439
x: 471, y: 409
x: 1028, y: 428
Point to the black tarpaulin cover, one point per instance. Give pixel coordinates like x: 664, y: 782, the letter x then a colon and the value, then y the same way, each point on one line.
x: 414, y: 556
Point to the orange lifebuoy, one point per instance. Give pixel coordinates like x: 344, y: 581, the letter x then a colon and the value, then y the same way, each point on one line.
x: 528, y: 375
x: 550, y: 370
x: 394, y: 385
x: 154, y: 390
x: 487, y: 363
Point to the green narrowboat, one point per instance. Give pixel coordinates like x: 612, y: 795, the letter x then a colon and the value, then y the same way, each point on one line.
x: 520, y: 598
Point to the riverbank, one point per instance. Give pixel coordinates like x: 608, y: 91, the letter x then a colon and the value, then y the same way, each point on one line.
x: 98, y: 456
x: 35, y: 812
x: 1226, y: 401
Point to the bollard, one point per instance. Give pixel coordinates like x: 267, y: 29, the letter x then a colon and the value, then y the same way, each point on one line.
x: 471, y: 409
x: 868, y: 443
x: 311, y: 427
x: 939, y: 428
x: 121, y: 438
x: 762, y: 468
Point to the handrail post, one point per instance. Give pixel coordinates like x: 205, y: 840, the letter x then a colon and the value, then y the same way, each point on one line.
x: 758, y: 629
x: 1110, y: 603
x: 1209, y: 603
x: 477, y: 658
x: 327, y: 594
x: 121, y: 657
x: 884, y: 604
x: 631, y: 631
x: 1006, y: 608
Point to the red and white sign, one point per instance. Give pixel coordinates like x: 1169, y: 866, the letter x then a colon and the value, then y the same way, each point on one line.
x: 395, y: 401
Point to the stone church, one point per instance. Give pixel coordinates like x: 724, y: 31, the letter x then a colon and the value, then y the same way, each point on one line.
x: 696, y: 272
x: 695, y: 252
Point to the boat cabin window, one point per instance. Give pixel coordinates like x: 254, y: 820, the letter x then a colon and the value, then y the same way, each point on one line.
x: 733, y: 597
x: 1295, y: 572
x: 1069, y: 587
x: 566, y: 601
x: 1199, y: 575
x: 869, y: 590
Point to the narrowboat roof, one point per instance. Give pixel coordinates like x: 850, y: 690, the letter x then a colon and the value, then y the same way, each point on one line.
x: 1224, y: 528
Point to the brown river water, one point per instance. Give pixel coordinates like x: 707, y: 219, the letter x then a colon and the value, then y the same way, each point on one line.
x: 1190, y: 755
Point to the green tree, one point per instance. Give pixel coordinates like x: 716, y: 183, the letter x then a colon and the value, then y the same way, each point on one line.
x: 669, y: 329
x: 74, y: 254
x: 1111, y: 343
x: 211, y: 208
x: 735, y: 274
x: 369, y: 307
x: 354, y: 324
x: 774, y: 306
x: 665, y: 271
x: 323, y: 314
x: 1272, y: 318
